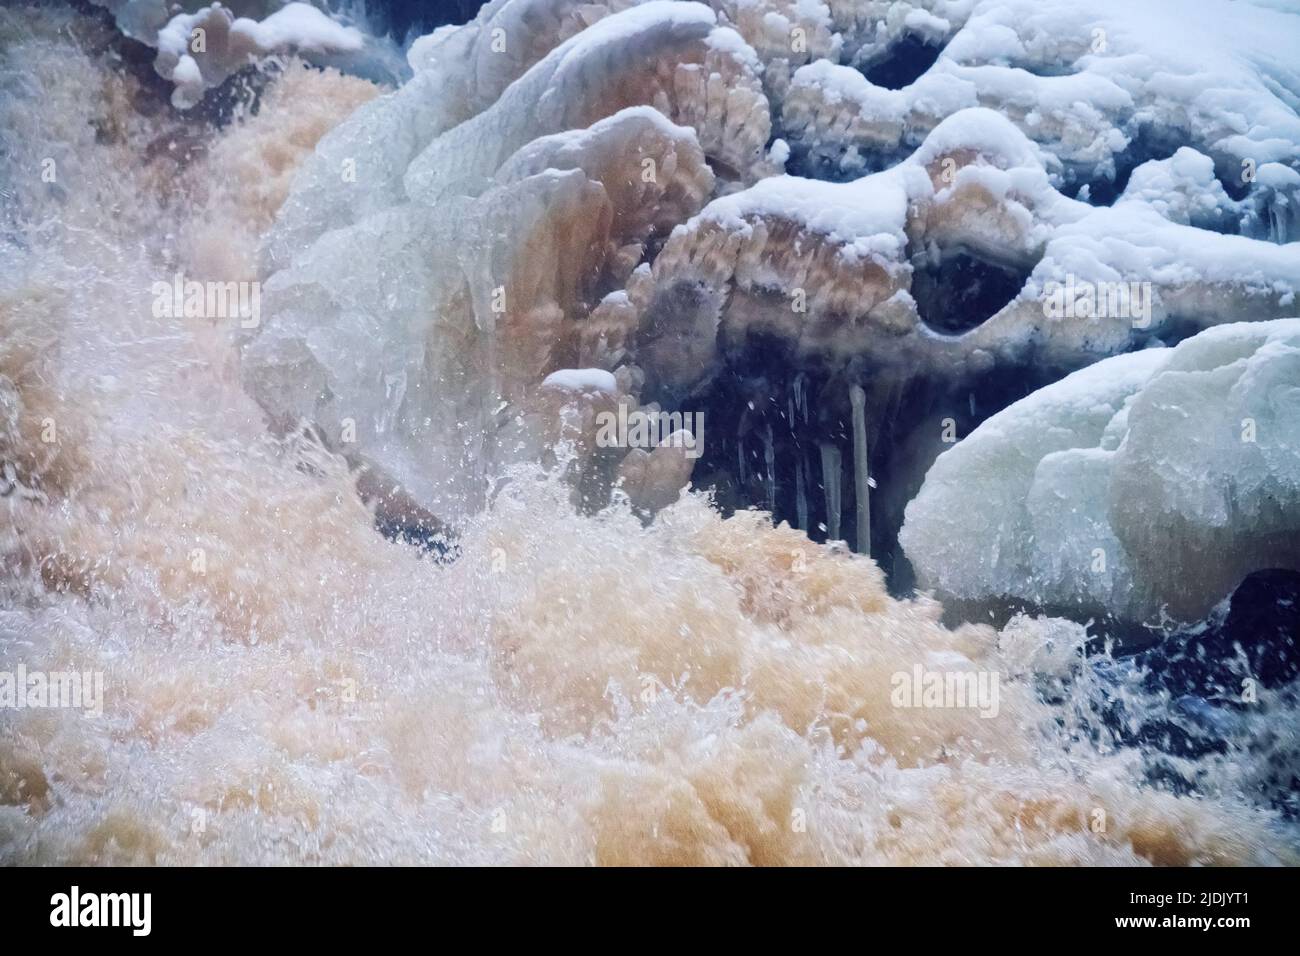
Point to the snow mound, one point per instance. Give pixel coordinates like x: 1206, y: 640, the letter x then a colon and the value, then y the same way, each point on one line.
x: 582, y: 380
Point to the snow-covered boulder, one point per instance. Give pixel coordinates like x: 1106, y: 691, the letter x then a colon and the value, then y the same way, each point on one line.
x: 1145, y: 486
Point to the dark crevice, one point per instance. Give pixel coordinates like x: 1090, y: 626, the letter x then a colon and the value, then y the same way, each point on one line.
x: 412, y: 18
x: 1231, y: 176
x: 1173, y: 330
x: 1146, y: 146
x: 765, y: 396
x: 1256, y: 634
x: 961, y: 291
x: 837, y: 165
x: 724, y: 171
x: 903, y: 63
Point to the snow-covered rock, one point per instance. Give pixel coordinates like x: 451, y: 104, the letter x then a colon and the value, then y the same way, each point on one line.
x: 582, y: 380
x: 1183, y: 189
x: 1146, y: 485
x: 836, y: 269
x: 1092, y: 82
x: 201, y: 44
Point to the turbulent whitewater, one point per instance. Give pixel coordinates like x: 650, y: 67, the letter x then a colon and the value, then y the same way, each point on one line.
x: 365, y: 584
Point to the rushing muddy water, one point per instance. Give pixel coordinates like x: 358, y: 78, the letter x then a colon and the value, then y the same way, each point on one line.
x: 283, y: 684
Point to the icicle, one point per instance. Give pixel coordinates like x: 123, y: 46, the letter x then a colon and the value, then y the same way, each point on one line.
x: 831, y: 485
x: 800, y: 493
x: 769, y: 463
x: 800, y: 398
x: 741, y: 471
x: 861, y: 477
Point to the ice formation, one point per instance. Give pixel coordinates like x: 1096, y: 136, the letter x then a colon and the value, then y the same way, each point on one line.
x: 568, y: 219
x: 839, y: 230
x: 984, y: 150
x: 1145, y: 486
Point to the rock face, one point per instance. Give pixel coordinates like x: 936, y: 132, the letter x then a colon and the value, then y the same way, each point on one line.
x: 849, y: 270
x: 1147, y: 485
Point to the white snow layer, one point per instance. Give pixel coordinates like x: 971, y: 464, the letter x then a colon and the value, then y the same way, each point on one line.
x: 299, y: 26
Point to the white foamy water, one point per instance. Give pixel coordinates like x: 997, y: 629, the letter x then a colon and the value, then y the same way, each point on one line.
x: 282, y: 684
